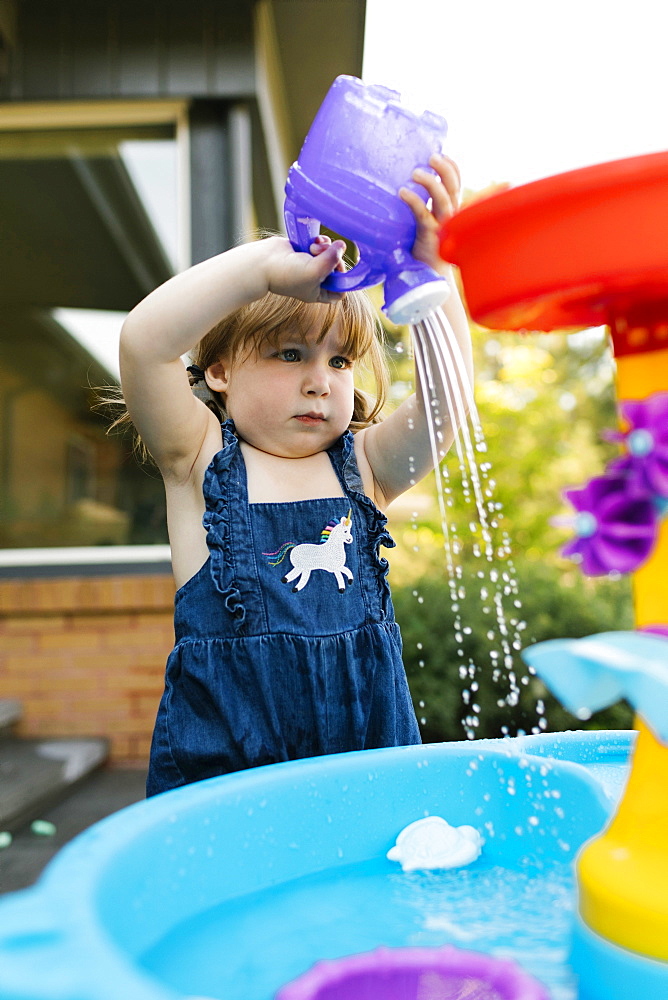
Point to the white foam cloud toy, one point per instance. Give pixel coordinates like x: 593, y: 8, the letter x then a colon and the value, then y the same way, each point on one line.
x: 431, y: 843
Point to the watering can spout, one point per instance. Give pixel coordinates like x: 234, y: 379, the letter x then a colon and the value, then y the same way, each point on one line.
x: 412, y: 290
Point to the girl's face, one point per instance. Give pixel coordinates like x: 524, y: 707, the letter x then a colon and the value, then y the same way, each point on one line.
x: 291, y: 400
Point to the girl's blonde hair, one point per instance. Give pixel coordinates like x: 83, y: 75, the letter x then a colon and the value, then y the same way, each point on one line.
x: 269, y: 319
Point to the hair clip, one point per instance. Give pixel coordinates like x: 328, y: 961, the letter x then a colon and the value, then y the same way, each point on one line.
x: 196, y: 374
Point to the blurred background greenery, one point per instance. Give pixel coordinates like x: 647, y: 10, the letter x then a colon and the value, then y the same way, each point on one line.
x: 543, y: 401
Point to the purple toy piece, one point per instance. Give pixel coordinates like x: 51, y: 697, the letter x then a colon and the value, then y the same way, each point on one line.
x: 362, y: 147
x: 415, y: 974
x: 656, y: 629
x: 646, y: 464
x: 616, y: 529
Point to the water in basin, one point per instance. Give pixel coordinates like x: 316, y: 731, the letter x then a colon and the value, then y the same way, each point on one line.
x: 247, y: 948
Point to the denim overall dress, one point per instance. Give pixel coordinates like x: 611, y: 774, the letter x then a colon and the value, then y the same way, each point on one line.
x: 286, y: 643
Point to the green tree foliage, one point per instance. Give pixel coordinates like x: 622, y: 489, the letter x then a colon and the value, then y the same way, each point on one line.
x: 443, y: 662
x: 543, y: 402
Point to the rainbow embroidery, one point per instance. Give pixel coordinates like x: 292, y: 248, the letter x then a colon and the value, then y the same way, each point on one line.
x: 279, y: 555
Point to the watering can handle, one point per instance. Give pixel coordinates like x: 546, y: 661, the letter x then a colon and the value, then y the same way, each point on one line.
x: 302, y: 230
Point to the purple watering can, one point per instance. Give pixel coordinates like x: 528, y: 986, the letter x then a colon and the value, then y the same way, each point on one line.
x: 362, y: 147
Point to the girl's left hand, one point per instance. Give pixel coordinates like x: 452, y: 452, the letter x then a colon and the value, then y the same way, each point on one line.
x: 319, y: 245
x: 444, y: 192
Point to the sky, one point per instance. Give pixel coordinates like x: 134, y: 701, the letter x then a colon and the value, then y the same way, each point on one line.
x: 529, y: 88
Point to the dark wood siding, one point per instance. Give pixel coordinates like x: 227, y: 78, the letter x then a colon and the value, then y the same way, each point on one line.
x: 86, y: 49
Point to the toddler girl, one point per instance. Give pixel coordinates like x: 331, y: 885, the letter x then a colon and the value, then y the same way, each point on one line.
x: 286, y: 644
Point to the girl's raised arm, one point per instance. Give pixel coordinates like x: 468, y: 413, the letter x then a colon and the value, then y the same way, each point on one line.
x: 173, y: 319
x: 397, y: 452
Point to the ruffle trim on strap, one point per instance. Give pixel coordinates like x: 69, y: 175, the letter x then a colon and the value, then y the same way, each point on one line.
x: 216, y: 523
x: 376, y: 520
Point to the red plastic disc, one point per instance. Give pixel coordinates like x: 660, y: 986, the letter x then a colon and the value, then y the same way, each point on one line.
x: 579, y: 249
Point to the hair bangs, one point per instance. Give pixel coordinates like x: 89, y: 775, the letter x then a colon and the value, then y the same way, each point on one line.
x: 278, y: 317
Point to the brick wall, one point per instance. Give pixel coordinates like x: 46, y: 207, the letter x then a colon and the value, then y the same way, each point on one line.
x: 86, y: 656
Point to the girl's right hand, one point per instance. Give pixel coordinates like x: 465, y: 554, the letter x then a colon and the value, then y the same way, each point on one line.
x: 300, y: 275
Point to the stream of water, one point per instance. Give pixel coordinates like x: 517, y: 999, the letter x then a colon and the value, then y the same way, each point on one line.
x: 449, y: 404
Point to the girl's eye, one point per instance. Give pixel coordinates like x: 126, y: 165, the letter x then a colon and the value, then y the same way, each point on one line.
x: 339, y: 362
x: 288, y: 354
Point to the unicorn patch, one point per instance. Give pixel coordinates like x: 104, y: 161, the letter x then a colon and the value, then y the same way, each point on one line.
x: 328, y: 554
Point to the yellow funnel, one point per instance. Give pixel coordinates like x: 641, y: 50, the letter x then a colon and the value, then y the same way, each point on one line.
x: 623, y: 874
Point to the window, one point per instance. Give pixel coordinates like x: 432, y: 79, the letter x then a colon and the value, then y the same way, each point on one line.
x: 93, y: 218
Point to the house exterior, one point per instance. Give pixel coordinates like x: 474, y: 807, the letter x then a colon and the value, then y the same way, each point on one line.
x: 136, y: 137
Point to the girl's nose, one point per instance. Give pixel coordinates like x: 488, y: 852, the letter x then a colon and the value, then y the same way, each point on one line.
x: 316, y: 381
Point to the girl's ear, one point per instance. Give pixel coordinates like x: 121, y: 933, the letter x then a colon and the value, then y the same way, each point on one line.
x: 218, y: 376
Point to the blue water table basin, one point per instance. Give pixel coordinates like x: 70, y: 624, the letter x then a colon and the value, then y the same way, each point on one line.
x: 234, y: 886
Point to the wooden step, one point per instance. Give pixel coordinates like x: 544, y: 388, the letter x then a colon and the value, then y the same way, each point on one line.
x: 37, y: 773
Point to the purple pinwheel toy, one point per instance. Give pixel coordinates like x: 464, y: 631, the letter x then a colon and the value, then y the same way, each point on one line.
x: 616, y: 528
x: 645, y: 466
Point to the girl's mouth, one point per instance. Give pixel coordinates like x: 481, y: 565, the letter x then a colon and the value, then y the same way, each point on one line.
x: 310, y: 418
